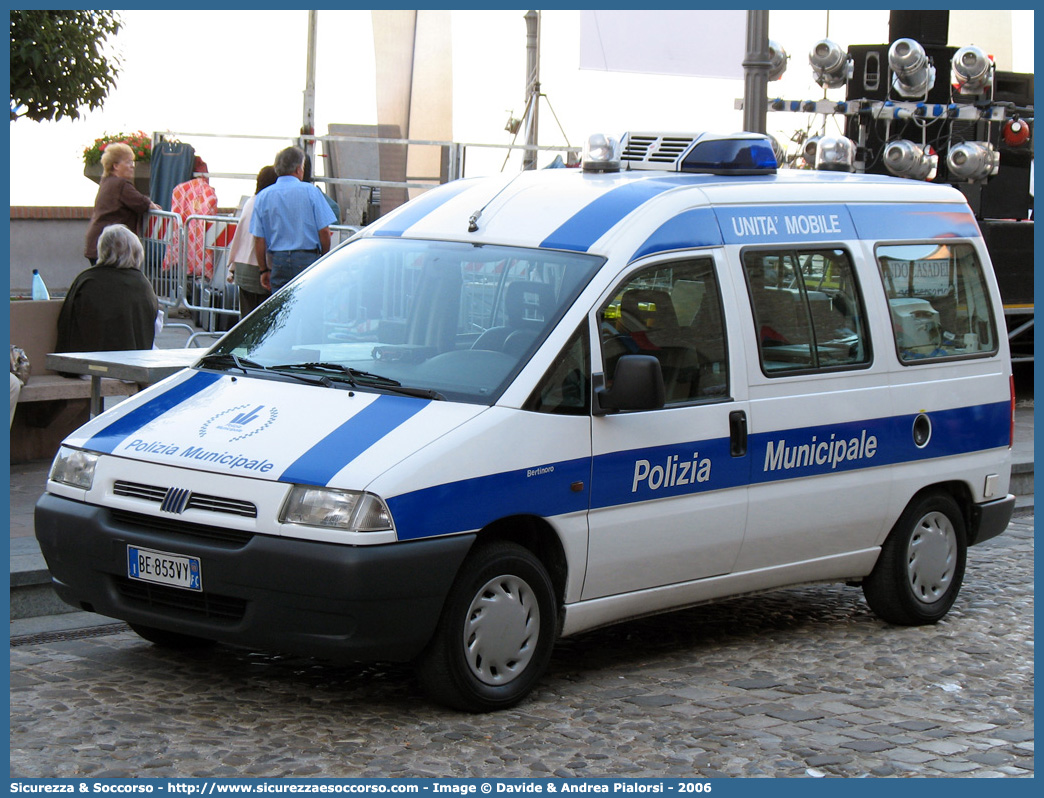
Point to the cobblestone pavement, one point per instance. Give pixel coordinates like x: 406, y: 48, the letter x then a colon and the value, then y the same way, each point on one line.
x: 799, y: 683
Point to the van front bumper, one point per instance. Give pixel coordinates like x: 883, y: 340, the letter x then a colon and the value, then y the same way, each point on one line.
x: 316, y: 599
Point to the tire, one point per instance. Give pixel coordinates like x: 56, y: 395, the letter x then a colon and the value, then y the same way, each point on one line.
x: 921, y: 566
x: 172, y: 640
x: 496, y: 632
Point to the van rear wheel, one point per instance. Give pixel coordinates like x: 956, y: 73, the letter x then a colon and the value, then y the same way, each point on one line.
x: 921, y: 566
x: 496, y: 632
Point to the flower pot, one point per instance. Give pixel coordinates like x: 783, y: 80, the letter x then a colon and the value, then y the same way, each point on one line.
x: 142, y: 173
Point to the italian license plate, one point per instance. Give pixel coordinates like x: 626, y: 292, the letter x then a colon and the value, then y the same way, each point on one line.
x: 164, y: 568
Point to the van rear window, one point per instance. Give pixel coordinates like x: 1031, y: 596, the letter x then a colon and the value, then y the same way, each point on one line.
x: 939, y: 302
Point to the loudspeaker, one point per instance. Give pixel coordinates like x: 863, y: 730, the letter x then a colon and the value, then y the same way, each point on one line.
x: 1010, y: 245
x: 1013, y: 87
x: 870, y: 77
x: 930, y: 28
x: 1006, y: 195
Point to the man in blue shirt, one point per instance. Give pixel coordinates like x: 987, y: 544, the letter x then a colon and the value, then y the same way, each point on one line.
x: 290, y: 224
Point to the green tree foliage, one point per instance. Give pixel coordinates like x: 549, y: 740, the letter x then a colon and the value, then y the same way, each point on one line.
x: 58, y: 63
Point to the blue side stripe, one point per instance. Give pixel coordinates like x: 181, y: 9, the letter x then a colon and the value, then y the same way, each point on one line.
x: 318, y: 465
x: 693, y: 228
x: 122, y: 428
x: 694, y: 467
x: 592, y: 222
x: 954, y: 432
x: 416, y: 209
x: 672, y: 470
x: 921, y: 221
x: 472, y: 503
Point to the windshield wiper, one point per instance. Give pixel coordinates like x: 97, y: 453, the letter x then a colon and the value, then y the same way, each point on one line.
x: 246, y: 366
x: 334, y: 367
x: 355, y: 376
x: 226, y: 358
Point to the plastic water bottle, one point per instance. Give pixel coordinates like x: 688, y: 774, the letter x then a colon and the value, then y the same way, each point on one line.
x: 39, y: 287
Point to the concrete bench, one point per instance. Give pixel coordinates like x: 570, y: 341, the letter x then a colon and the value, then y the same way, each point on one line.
x: 50, y: 406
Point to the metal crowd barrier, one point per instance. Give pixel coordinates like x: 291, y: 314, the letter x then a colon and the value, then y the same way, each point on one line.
x: 162, y: 232
x: 212, y: 301
x: 178, y: 275
x: 177, y: 268
x: 339, y: 233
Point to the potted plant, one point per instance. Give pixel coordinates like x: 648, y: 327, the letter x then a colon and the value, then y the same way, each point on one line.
x: 140, y: 142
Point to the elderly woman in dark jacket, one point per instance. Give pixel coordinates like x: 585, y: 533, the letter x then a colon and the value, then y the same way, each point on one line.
x: 117, y: 202
x: 110, y: 306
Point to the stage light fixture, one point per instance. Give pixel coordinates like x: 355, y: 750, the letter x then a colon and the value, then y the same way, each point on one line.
x: 808, y: 151
x: 903, y: 158
x: 972, y: 160
x: 973, y: 70
x: 777, y: 60
x: 831, y: 65
x: 913, y: 74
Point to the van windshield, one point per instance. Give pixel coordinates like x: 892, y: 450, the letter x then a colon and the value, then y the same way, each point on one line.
x: 449, y: 320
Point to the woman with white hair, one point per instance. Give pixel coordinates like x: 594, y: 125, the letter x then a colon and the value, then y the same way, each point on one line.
x: 110, y: 306
x: 118, y: 202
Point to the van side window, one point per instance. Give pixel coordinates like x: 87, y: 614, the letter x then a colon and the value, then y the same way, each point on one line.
x: 807, y: 310
x: 566, y: 388
x: 672, y: 312
x: 938, y: 300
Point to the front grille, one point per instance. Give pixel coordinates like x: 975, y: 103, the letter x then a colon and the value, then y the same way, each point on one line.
x: 196, y: 501
x: 222, y: 608
x: 174, y: 525
x: 149, y: 493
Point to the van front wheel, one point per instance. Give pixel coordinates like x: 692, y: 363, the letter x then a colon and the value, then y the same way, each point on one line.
x: 921, y: 566
x: 496, y: 632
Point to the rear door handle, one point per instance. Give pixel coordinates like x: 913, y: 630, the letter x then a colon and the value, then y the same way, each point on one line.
x: 737, y: 433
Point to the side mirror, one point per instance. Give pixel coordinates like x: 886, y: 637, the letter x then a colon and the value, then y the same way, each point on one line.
x: 637, y: 385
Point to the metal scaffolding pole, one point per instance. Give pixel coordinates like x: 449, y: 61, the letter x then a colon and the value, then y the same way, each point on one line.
x: 756, y: 65
x: 308, y: 117
x: 529, y: 160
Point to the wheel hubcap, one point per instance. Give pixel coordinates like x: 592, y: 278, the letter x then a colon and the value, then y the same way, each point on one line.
x: 501, y: 630
x: 931, y: 557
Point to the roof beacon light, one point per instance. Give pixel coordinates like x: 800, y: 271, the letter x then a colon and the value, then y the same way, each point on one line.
x: 973, y: 70
x: 601, y: 154
x: 739, y: 154
x: 972, y: 160
x: 831, y: 65
x: 914, y: 75
x: 835, y: 154
x: 905, y: 159
x: 777, y: 60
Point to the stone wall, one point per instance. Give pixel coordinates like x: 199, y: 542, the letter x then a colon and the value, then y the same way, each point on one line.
x: 49, y: 239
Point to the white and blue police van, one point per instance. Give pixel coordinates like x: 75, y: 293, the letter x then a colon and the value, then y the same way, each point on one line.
x: 522, y: 407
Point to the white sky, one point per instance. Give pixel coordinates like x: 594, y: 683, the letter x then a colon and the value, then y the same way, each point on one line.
x: 211, y: 72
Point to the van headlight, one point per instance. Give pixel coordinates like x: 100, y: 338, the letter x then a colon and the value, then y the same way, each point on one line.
x: 330, y: 508
x: 74, y: 467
